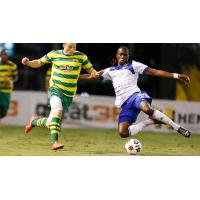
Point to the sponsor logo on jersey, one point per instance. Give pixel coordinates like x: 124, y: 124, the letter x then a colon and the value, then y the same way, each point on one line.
x: 66, y: 68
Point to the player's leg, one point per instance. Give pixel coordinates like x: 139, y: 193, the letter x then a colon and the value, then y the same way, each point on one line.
x: 1, y: 111
x: 156, y: 114
x: 4, y: 104
x: 58, y: 109
x: 127, y: 129
x: 54, y: 121
x: 40, y: 122
x: 138, y: 127
x: 123, y: 129
x: 127, y: 116
x: 36, y: 122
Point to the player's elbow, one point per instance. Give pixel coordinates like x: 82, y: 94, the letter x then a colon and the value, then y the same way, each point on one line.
x: 39, y: 63
x: 152, y: 72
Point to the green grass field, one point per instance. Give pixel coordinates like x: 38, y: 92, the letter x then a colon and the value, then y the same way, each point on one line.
x: 95, y: 142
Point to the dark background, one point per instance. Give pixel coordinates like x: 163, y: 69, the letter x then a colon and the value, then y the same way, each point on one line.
x: 168, y: 57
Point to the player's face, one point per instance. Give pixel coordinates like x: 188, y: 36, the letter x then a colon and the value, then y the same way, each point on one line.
x: 122, y: 56
x: 3, y: 56
x: 69, y: 48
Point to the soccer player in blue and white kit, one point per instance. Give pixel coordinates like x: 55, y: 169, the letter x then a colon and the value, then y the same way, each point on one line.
x: 131, y: 99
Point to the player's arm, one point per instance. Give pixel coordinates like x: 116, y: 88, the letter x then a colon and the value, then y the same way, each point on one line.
x: 32, y: 63
x: 46, y: 84
x: 92, y: 72
x: 9, y: 79
x: 161, y: 73
x: 89, y: 77
x: 89, y: 68
x: 5, y: 79
x: 85, y: 77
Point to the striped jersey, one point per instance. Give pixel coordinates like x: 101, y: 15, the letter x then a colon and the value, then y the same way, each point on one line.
x: 66, y: 70
x: 8, y: 70
x: 124, y: 79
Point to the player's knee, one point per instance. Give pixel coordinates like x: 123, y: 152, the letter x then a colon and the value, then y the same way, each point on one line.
x: 55, y: 112
x: 56, y: 105
x: 58, y: 112
x: 123, y: 134
x: 148, y: 110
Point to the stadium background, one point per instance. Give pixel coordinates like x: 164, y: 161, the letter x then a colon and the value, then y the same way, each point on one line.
x: 182, y: 58
x: 30, y: 92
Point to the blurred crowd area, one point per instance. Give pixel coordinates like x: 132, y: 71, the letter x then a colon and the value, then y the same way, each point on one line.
x: 181, y: 58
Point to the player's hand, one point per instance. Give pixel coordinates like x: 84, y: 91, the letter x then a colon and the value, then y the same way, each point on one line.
x: 184, y: 78
x: 100, y: 73
x: 7, y: 80
x: 25, y: 61
x: 97, y: 75
x: 94, y: 74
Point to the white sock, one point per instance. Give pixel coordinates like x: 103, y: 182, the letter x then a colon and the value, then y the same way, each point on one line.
x: 136, y: 128
x: 163, y: 118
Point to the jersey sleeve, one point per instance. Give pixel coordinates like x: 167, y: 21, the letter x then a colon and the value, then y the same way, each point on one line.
x: 139, y: 67
x: 46, y: 58
x: 106, y: 75
x: 86, y: 63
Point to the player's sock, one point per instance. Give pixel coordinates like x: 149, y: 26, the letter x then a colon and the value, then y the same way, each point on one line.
x: 41, y: 122
x: 54, y: 137
x: 55, y: 128
x: 163, y: 118
x: 136, y: 128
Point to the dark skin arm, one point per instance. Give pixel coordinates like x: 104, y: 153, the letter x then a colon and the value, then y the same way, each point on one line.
x: 160, y: 73
x: 150, y: 71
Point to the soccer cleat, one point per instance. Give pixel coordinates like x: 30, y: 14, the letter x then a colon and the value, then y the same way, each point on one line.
x: 29, y: 126
x: 57, y: 145
x: 184, y: 132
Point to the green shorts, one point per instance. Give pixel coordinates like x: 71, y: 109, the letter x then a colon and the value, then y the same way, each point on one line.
x: 4, y: 104
x: 66, y: 101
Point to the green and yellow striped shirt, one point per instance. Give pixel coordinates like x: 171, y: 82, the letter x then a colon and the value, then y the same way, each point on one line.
x: 66, y: 70
x: 8, y: 70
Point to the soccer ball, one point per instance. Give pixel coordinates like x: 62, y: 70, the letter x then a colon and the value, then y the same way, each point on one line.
x: 133, y: 147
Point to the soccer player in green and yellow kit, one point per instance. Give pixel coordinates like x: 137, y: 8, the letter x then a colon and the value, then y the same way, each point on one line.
x: 8, y: 74
x: 66, y: 67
